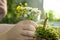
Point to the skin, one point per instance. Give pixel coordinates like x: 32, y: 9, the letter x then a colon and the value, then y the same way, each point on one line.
x: 23, y: 30
x: 3, y: 8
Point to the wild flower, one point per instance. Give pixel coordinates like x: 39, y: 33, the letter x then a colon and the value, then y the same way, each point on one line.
x: 28, y: 13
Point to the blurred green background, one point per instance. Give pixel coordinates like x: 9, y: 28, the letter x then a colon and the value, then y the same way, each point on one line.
x: 11, y: 18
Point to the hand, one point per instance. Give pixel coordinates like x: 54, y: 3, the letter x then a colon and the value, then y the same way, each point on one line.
x: 24, y: 30
x: 3, y: 8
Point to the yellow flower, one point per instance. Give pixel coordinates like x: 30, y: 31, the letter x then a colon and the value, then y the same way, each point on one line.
x: 26, y: 4
x: 26, y: 11
x: 18, y: 8
x: 22, y: 8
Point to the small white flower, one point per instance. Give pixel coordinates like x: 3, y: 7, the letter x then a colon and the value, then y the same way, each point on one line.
x: 38, y: 18
x: 25, y: 15
x: 39, y: 11
x: 29, y: 12
x: 35, y: 10
x: 28, y: 8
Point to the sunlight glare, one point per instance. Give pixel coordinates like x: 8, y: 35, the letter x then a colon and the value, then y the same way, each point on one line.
x: 53, y: 5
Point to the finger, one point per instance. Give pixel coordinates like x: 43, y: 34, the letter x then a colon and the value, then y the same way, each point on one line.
x: 2, y: 4
x: 29, y: 27
x: 27, y: 38
x: 4, y: 1
x: 2, y: 12
x: 23, y: 38
x: 28, y: 33
x: 30, y: 23
x: 34, y: 23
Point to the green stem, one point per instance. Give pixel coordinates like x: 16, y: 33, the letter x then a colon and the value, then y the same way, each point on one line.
x: 45, y: 22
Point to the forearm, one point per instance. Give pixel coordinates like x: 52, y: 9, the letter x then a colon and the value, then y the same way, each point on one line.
x: 3, y: 36
x: 4, y: 28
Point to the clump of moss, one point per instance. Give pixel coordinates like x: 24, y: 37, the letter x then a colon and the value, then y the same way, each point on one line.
x: 48, y: 34
x: 44, y: 32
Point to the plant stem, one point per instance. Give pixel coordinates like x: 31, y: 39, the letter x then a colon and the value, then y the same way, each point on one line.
x: 45, y: 22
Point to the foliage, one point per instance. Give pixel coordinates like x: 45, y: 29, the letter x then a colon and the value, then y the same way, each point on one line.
x: 49, y: 33
x: 51, y: 15
x: 58, y: 19
x: 11, y: 18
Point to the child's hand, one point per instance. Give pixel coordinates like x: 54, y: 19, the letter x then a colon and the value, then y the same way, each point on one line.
x: 24, y: 30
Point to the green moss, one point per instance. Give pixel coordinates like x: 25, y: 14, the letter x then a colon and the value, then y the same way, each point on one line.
x: 49, y: 33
